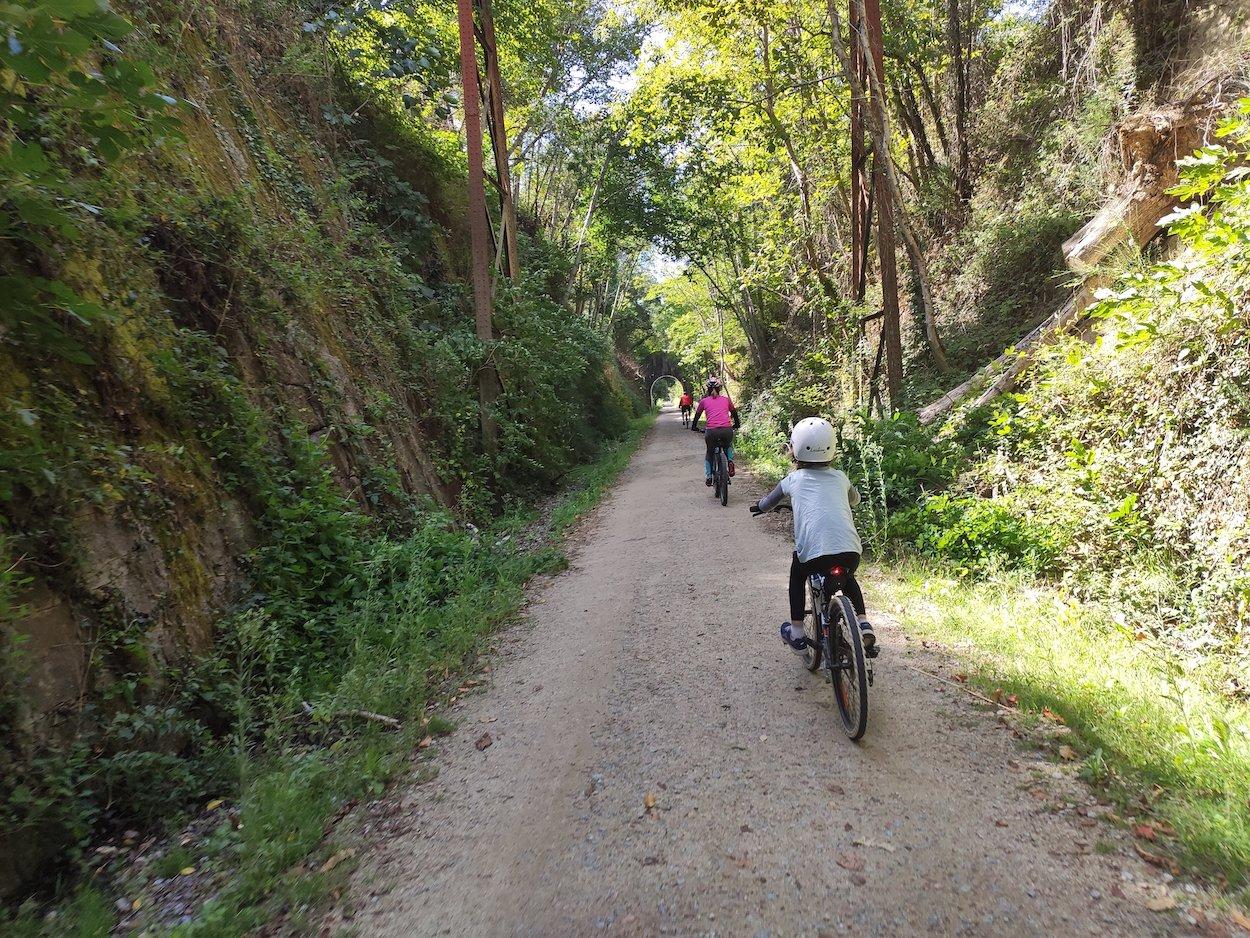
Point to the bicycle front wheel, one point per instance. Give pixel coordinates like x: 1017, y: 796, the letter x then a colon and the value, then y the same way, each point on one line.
x: 850, y: 674
x: 722, y: 469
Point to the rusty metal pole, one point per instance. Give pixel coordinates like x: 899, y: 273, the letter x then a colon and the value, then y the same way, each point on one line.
x: 493, y: 96
x: 861, y: 187
x: 891, y: 333
x: 488, y: 381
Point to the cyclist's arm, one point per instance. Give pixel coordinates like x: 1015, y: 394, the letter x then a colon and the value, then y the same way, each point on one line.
x: 698, y: 412
x: 852, y: 496
x: 733, y: 412
x: 772, y: 499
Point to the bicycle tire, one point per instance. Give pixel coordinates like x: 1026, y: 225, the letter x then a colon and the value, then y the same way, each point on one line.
x: 813, y: 655
x: 850, y: 680
x: 722, y: 464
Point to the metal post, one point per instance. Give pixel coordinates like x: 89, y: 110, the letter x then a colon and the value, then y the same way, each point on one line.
x: 890, y: 331
x: 488, y: 381
x: 492, y: 95
x: 861, y: 187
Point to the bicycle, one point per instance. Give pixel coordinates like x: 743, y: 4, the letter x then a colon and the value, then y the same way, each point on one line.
x: 720, y: 471
x: 834, y: 640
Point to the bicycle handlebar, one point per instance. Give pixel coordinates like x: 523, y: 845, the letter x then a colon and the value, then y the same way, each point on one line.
x: 755, y: 509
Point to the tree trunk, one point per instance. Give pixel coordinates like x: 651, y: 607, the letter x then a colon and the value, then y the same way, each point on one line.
x: 810, y: 252
x: 910, y: 110
x: 959, y: 101
x: 935, y: 112
x: 590, y: 211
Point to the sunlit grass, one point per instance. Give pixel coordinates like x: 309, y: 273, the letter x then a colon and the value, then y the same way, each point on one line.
x: 1148, y: 723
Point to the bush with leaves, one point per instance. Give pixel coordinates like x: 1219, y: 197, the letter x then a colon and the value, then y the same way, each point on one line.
x: 1131, y: 452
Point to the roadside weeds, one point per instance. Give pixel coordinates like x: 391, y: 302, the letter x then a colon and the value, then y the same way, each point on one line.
x: 277, y: 853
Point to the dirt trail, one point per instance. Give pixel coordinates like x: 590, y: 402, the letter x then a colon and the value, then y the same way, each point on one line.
x: 653, y: 666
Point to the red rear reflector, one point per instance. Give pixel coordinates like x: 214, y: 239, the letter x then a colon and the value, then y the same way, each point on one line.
x: 836, y: 571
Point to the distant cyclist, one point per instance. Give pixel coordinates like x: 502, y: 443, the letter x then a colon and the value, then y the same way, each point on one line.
x: 686, y: 404
x: 824, y: 530
x: 722, y: 421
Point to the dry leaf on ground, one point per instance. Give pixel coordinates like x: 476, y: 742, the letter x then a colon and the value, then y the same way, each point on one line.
x: 1051, y: 715
x: 337, y: 858
x: 850, y: 861
x: 483, y: 741
x: 1067, y: 752
x: 888, y: 848
x: 1145, y: 831
x: 1160, y: 903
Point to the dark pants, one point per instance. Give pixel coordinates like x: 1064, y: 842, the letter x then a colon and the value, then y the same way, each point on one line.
x: 722, y: 437
x: 800, y: 571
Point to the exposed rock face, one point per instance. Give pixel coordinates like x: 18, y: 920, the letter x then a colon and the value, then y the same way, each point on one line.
x: 166, y: 556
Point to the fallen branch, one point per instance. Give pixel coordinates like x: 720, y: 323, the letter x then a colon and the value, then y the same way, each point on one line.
x: 1008, y: 366
x: 963, y: 687
x: 389, y: 722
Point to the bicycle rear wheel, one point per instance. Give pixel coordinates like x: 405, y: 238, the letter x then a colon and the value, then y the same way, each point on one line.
x: 813, y: 655
x: 722, y: 468
x: 850, y: 674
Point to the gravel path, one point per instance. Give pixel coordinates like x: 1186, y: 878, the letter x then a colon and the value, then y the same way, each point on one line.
x: 652, y: 669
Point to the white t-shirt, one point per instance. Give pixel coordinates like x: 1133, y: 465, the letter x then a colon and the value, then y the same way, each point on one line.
x: 822, y: 500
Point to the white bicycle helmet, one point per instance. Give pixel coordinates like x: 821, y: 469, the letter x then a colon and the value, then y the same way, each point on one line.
x: 811, y: 440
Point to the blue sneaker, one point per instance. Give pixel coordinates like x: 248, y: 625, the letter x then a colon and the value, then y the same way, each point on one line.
x: 797, y: 645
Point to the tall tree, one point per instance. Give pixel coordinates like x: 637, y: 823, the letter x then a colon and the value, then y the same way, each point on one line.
x: 959, y: 100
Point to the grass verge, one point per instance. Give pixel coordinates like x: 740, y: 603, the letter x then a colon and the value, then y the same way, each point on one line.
x: 272, y: 851
x: 1156, y: 733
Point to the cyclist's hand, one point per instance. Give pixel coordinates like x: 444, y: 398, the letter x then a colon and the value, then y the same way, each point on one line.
x: 756, y: 509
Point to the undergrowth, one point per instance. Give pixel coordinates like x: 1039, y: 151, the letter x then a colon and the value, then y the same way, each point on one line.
x: 412, y: 622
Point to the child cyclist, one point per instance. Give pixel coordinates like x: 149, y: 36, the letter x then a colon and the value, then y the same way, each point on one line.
x: 824, y: 532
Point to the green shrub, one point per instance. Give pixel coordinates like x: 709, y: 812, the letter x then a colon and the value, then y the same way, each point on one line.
x: 971, y: 535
